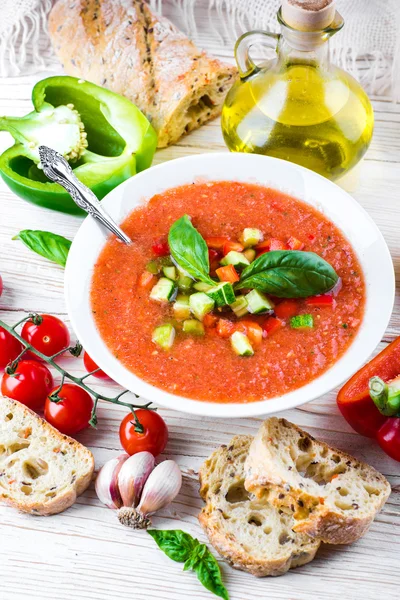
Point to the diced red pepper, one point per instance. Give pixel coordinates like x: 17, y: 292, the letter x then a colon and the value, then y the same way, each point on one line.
x: 227, y: 273
x: 272, y: 325
x: 277, y: 245
x: 146, y: 279
x: 210, y: 321
x: 253, y: 331
x: 295, y: 244
x: 160, y: 248
x: 225, y: 328
x: 217, y: 243
x: 324, y: 300
x: 286, y: 309
x: 232, y: 246
x: 213, y: 256
x: 311, y: 237
x: 263, y: 245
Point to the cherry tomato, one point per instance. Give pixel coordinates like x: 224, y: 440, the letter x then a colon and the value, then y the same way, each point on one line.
x: 10, y: 348
x: 30, y: 384
x: 153, y: 439
x: 72, y: 413
x: 50, y: 337
x: 389, y: 437
x: 90, y: 366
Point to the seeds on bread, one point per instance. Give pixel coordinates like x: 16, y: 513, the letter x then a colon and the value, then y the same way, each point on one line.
x: 251, y: 534
x: 41, y: 470
x: 330, y: 495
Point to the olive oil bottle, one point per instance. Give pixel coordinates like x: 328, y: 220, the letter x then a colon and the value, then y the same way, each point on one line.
x: 298, y: 107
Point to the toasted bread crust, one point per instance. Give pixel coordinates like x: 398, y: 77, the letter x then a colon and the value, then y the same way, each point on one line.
x: 73, y: 489
x: 124, y: 47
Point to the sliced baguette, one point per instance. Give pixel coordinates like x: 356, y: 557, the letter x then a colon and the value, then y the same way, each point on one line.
x: 251, y: 534
x: 41, y: 470
x: 330, y: 494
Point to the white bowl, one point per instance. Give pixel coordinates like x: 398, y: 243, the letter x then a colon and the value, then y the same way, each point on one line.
x: 317, y: 191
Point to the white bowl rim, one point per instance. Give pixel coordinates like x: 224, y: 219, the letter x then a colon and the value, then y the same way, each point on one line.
x: 379, y: 301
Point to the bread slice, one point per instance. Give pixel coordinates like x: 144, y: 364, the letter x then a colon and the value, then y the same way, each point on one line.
x: 251, y: 534
x: 123, y: 46
x: 329, y: 494
x: 41, y: 470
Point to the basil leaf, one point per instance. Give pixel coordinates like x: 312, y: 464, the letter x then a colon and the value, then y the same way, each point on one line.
x: 209, y: 574
x: 176, y: 544
x: 289, y: 274
x: 189, y: 249
x: 182, y: 547
x: 47, y: 244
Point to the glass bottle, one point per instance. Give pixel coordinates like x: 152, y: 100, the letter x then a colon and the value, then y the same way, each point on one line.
x: 298, y: 106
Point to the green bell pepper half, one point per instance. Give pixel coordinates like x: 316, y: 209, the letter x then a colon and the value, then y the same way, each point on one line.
x: 105, y: 138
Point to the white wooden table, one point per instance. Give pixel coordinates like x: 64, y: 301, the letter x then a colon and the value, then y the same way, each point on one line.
x: 84, y: 553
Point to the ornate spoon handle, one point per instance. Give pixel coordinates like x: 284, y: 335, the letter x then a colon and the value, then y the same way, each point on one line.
x: 56, y: 168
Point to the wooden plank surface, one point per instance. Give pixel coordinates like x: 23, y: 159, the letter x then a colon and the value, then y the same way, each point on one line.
x: 84, y: 552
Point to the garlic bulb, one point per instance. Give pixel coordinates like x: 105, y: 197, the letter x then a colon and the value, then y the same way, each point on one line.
x: 133, y: 475
x: 106, y: 485
x: 132, y: 485
x: 160, y: 489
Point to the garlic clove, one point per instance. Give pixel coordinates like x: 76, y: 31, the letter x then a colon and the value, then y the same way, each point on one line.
x: 106, y: 485
x: 161, y: 487
x: 132, y: 477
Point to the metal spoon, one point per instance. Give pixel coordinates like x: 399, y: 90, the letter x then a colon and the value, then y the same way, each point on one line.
x: 56, y: 168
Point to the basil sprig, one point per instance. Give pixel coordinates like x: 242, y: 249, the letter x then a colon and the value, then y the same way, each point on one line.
x: 50, y: 245
x: 189, y: 250
x: 182, y: 547
x: 289, y: 274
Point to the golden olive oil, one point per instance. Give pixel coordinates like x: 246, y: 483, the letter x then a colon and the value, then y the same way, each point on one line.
x: 298, y: 107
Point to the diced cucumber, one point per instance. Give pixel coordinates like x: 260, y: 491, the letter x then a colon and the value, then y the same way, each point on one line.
x: 184, y: 281
x: 302, y: 322
x: 165, y: 261
x: 181, y: 307
x: 200, y: 286
x: 193, y: 326
x: 258, y: 302
x: 163, y: 291
x: 222, y: 294
x: 153, y: 267
x: 251, y: 237
x: 200, y: 304
x: 164, y: 336
x: 241, y: 344
x: 236, y: 259
x: 239, y: 307
x: 250, y: 254
x: 170, y: 272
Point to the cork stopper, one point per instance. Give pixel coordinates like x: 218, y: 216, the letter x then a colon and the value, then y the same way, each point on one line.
x: 308, y: 15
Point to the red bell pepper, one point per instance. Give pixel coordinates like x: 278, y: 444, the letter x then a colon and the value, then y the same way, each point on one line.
x: 253, y: 331
x: 362, y: 413
x: 213, y: 257
x: 271, y: 325
x: 160, y: 248
x: 217, y: 243
x: 320, y: 301
x: 231, y: 246
x: 286, y: 309
x: 225, y: 328
x: 227, y: 273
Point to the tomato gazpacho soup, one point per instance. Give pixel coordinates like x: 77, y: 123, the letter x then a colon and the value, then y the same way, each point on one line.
x: 231, y: 292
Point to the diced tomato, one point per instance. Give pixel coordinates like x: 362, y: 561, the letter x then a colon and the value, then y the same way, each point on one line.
x: 295, y: 244
x: 271, y: 325
x: 253, y: 331
x: 217, y: 243
x: 277, y: 245
x: 227, y: 273
x: 213, y: 254
x: 230, y: 246
x: 286, y: 309
x: 210, y: 320
x: 324, y: 300
x: 146, y: 279
x: 160, y: 248
x: 225, y: 328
